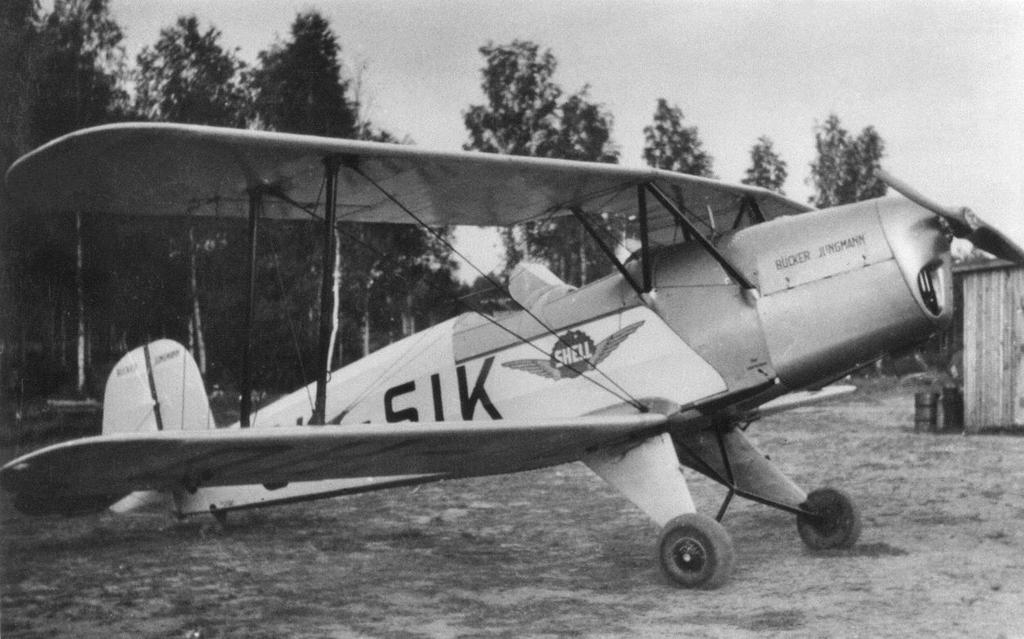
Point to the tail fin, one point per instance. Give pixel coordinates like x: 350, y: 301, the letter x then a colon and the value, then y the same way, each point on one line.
x: 156, y: 387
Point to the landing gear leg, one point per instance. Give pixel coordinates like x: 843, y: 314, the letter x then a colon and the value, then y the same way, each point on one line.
x: 826, y: 518
x: 695, y: 551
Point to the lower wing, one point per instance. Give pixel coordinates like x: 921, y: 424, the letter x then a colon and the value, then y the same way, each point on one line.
x: 56, y: 478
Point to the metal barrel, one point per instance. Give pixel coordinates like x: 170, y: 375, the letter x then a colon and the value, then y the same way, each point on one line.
x: 925, y: 414
x: 952, y: 408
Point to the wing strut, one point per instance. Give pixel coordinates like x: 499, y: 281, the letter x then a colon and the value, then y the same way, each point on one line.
x: 688, y: 227
x: 645, y: 240
x: 255, y: 210
x: 748, y: 206
x: 331, y: 164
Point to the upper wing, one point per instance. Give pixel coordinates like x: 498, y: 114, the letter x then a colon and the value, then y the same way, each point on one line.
x: 176, y: 169
x: 121, y: 463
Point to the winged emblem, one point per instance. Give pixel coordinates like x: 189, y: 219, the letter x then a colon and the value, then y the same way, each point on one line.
x: 574, y: 354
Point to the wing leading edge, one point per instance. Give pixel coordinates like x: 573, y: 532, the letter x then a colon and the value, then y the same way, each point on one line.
x: 122, y: 463
x: 176, y: 169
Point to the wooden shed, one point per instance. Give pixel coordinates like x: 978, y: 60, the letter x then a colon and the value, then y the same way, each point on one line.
x: 993, y: 344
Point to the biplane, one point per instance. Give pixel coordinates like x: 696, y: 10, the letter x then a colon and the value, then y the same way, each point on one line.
x: 734, y: 303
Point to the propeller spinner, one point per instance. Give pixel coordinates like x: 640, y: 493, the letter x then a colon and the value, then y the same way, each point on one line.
x: 963, y: 222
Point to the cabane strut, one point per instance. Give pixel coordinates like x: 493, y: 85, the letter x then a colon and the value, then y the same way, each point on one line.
x: 688, y: 226
x: 689, y: 230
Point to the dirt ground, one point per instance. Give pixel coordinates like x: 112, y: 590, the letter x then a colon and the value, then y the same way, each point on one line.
x: 558, y: 553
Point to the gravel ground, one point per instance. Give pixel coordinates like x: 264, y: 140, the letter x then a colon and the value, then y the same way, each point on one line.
x: 558, y: 553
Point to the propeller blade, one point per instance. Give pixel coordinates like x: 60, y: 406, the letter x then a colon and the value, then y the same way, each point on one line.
x: 963, y: 222
x: 990, y: 240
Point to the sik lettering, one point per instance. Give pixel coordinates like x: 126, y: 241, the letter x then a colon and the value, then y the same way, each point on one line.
x: 397, y: 406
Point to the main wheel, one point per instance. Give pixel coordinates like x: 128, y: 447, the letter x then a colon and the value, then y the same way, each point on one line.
x: 695, y: 552
x: 833, y: 522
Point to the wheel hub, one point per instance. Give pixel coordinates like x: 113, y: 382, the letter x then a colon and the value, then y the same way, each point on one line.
x: 689, y: 554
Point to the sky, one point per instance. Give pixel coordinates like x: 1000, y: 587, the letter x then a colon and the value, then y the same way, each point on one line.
x: 941, y: 81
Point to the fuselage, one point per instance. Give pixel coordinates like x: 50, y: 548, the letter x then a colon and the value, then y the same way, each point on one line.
x: 835, y: 289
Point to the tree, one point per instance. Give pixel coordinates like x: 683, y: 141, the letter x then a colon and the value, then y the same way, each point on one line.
x: 525, y: 114
x: 767, y: 169
x: 299, y: 87
x: 397, y: 273
x: 188, y: 77
x: 80, y: 82
x: 20, y: 56
x: 673, y: 147
x: 520, y: 116
x: 845, y: 169
x: 72, y: 78
x: 19, y: 59
x: 584, y: 133
x: 298, y: 84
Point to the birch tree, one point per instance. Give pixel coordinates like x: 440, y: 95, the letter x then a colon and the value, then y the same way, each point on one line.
x: 844, y: 170
x: 187, y: 76
x: 525, y: 113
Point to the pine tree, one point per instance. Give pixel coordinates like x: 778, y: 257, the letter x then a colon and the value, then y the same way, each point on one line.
x: 187, y: 76
x: 299, y: 86
x: 767, y: 169
x: 673, y: 147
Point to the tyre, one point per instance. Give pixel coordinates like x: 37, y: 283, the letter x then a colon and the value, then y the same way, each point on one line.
x: 833, y: 522
x: 695, y: 551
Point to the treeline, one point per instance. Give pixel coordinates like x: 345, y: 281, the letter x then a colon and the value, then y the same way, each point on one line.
x: 79, y: 290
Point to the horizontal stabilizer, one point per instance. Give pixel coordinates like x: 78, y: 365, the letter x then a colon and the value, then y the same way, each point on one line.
x: 803, y: 398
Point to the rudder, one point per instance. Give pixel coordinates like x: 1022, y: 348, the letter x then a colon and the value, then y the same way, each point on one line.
x: 156, y: 387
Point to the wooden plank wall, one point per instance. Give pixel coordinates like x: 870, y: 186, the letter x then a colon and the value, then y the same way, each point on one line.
x: 994, y: 349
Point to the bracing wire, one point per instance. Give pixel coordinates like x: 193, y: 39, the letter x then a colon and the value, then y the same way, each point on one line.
x: 280, y: 282
x: 625, y: 395
x: 291, y: 324
x: 622, y: 394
